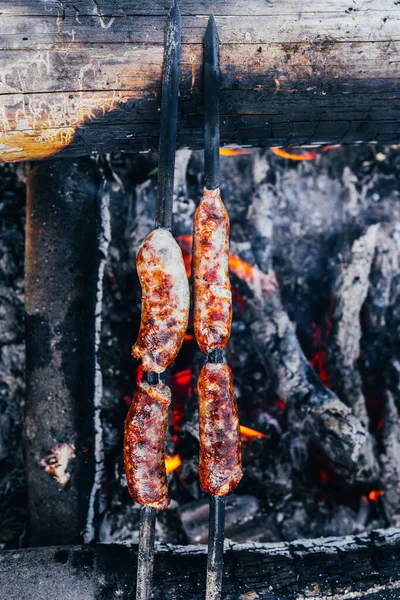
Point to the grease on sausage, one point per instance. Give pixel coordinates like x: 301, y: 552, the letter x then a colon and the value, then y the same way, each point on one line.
x: 220, y: 464
x: 144, y: 440
x: 165, y: 301
x: 212, y: 290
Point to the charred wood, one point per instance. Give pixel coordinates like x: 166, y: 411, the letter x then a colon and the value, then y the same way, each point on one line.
x: 66, y: 242
x: 85, y: 77
x: 314, y: 410
x: 351, y: 288
x: 365, y: 567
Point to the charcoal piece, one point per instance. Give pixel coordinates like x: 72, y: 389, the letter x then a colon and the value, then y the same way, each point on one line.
x: 390, y: 461
x: 239, y: 511
x: 313, y: 408
x: 351, y: 288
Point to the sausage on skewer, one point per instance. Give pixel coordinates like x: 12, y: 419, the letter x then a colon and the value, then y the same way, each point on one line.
x: 165, y: 301
x: 145, y: 430
x: 211, y: 286
x: 220, y: 465
x: 165, y: 314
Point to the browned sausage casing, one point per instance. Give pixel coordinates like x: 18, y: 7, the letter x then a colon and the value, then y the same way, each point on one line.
x: 212, y: 290
x: 220, y: 464
x: 165, y: 301
x: 144, y: 440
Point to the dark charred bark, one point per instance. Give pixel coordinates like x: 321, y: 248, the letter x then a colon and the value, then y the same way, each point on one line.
x: 315, y: 412
x: 365, y: 567
x: 63, y: 275
x: 85, y: 76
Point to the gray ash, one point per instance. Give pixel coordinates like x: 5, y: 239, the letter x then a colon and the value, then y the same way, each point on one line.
x: 314, y: 346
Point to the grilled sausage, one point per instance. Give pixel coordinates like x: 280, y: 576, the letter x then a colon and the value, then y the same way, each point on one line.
x: 144, y: 440
x: 220, y: 464
x: 165, y: 301
x: 212, y: 290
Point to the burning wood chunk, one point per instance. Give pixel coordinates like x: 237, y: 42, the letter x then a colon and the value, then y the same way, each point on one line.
x: 352, y: 286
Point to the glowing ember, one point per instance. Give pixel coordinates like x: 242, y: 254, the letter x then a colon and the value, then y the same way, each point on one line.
x: 247, y: 432
x: 139, y: 373
x: 284, y: 154
x: 304, y: 156
x: 263, y: 282
x: 281, y: 404
x: 375, y: 494
x: 185, y: 243
x: 180, y: 382
x: 172, y: 463
x: 181, y: 389
x: 232, y: 152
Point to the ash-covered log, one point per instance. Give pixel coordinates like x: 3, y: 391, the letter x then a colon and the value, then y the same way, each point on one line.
x: 366, y: 567
x: 85, y: 76
x: 66, y: 243
x: 315, y: 412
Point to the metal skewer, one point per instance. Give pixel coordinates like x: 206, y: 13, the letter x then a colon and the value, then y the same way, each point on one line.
x: 211, y: 105
x: 169, y: 118
x: 165, y: 187
x: 144, y: 577
x: 211, y: 175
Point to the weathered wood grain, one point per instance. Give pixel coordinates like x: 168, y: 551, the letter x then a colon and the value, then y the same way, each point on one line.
x: 366, y: 567
x: 84, y: 76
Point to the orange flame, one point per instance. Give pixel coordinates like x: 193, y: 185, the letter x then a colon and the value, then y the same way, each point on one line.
x: 172, y: 463
x: 185, y: 243
x: 232, y: 152
x: 252, y: 275
x: 305, y: 156
x: 375, y: 494
x: 239, y: 267
x: 247, y: 432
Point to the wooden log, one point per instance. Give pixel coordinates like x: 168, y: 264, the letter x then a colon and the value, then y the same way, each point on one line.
x: 65, y: 255
x: 366, y: 567
x: 85, y: 76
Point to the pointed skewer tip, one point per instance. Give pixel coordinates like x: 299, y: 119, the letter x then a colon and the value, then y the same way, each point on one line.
x: 211, y: 21
x: 175, y: 7
x: 211, y: 30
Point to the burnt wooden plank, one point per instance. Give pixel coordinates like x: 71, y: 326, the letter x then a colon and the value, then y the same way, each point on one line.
x: 63, y: 278
x: 191, y: 7
x: 47, y: 32
x: 365, y: 567
x: 67, y: 70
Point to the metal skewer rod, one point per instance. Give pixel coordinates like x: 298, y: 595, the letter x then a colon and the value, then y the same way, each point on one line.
x: 144, y: 578
x: 215, y: 556
x: 169, y: 118
x: 211, y: 105
x: 165, y: 187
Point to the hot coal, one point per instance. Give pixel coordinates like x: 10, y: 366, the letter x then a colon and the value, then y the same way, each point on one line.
x: 316, y: 326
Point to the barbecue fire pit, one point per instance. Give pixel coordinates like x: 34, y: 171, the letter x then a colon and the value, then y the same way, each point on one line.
x: 310, y: 175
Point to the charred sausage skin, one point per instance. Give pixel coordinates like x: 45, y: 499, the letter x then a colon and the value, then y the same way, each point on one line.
x: 220, y: 464
x: 144, y: 440
x: 211, y: 286
x: 165, y: 301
